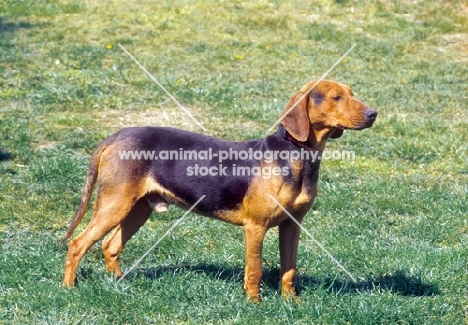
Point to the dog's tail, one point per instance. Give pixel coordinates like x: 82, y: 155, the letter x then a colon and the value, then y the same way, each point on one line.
x: 87, y: 191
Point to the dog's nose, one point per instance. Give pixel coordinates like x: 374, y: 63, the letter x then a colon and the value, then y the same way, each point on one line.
x: 370, y: 114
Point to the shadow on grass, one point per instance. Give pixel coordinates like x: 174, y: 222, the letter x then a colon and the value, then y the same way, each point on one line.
x: 8, y: 26
x: 5, y: 155
x: 399, y: 282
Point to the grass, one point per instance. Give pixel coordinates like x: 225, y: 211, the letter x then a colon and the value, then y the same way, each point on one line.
x: 395, y: 217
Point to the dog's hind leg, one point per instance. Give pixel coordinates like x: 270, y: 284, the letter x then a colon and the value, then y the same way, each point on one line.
x: 113, y: 245
x: 112, y: 206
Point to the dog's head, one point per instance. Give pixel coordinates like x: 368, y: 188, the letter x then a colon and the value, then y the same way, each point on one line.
x: 329, y: 107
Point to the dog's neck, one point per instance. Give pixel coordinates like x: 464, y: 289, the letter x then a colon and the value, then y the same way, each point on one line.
x: 315, y: 142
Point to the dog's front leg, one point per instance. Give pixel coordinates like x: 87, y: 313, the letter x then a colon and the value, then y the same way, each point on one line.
x: 289, y: 233
x: 254, y: 235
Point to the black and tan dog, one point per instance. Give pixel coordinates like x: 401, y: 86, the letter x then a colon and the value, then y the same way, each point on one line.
x: 130, y: 188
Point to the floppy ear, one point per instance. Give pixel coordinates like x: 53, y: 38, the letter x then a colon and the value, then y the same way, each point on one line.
x: 296, y: 122
x: 336, y: 134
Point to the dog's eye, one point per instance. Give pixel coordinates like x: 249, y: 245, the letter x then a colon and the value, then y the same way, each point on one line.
x: 337, y: 98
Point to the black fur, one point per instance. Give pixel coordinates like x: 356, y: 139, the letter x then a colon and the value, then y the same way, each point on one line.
x: 318, y: 97
x: 223, y: 192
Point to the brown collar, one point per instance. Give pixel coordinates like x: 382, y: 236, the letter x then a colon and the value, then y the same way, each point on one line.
x: 289, y: 137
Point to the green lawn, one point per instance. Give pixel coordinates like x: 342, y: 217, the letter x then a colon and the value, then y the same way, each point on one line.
x: 396, y: 217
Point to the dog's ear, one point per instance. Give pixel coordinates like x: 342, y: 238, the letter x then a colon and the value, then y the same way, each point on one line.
x: 336, y: 134
x: 296, y: 121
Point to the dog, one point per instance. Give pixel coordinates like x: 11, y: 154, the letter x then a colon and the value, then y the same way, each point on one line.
x: 236, y: 182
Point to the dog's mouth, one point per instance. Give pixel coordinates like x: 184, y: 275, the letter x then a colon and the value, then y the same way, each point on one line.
x: 356, y: 127
x: 362, y: 126
x: 369, y: 118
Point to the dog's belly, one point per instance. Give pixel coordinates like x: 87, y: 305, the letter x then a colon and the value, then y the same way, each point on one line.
x: 160, y: 204
x: 217, y: 202
x: 256, y: 205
